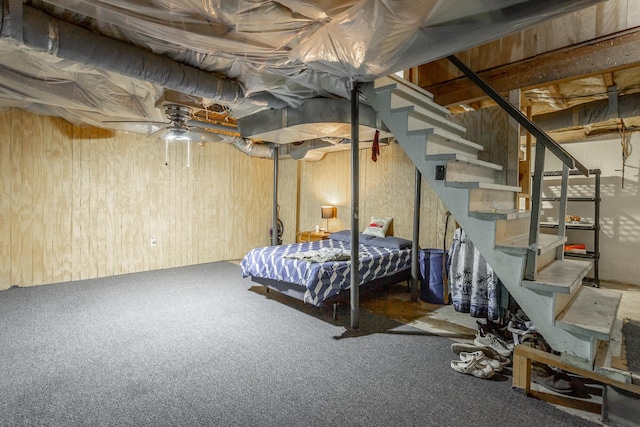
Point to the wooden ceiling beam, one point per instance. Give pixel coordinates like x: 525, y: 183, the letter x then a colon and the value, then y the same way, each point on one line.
x: 598, y: 56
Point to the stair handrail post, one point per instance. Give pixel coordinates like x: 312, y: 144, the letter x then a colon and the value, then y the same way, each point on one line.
x: 536, y: 206
x: 562, y: 211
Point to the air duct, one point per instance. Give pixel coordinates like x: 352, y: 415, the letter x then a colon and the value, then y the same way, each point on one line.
x: 250, y: 148
x: 74, y: 43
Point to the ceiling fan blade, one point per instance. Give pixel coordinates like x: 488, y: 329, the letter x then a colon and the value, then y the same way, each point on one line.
x: 201, y: 135
x: 160, y: 133
x: 151, y: 122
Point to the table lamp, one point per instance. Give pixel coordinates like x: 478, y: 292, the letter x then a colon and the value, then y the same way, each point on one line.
x: 328, y: 212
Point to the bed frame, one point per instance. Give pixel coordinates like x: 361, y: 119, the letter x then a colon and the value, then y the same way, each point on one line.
x: 297, y: 291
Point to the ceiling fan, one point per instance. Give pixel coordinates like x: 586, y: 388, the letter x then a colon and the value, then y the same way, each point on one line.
x: 178, y: 128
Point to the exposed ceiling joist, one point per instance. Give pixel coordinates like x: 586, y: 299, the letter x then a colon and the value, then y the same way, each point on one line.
x: 598, y: 56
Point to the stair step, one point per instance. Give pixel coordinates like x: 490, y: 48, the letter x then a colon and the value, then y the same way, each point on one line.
x: 440, y: 141
x: 392, y: 81
x: 561, y: 276
x: 457, y: 157
x: 402, y: 98
x: 484, y: 185
x: 592, y: 313
x: 426, y: 119
x: 520, y: 244
x: 461, y: 168
x: 500, y: 214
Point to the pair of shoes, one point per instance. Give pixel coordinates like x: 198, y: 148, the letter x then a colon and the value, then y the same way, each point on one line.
x: 472, y: 367
x: 482, y: 359
x: 459, y: 347
x: 552, y: 378
x: 558, y: 382
x: 490, y: 340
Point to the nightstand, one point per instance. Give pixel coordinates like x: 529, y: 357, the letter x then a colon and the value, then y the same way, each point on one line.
x: 311, y: 236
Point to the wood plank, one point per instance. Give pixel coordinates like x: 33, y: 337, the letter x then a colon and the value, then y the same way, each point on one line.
x: 63, y: 180
x: 521, y: 371
x: 568, y: 402
x: 38, y: 197
x: 551, y: 359
x: 16, y: 197
x: 117, y: 171
x: 633, y: 13
x: 587, y: 23
x: 611, y: 17
x: 557, y: 33
x: 97, y: 202
x: 110, y: 230
x: 88, y: 268
x: 49, y: 199
x: 6, y: 173
x: 605, y: 54
x: 27, y: 186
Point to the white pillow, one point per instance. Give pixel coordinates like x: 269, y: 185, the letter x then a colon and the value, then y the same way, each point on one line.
x: 378, y: 226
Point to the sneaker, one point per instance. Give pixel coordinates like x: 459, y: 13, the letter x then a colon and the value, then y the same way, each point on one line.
x: 459, y: 347
x: 482, y: 359
x: 490, y: 340
x: 472, y: 367
x: 558, y: 382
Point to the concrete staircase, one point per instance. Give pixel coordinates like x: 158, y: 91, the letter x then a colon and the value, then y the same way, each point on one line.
x: 571, y: 317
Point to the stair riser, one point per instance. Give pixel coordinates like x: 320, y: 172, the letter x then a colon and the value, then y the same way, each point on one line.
x: 399, y: 98
x: 463, y: 172
x: 488, y: 200
x: 437, y: 145
x: 402, y: 85
x: 561, y: 301
x: 511, y: 228
x: 417, y: 121
x: 545, y: 259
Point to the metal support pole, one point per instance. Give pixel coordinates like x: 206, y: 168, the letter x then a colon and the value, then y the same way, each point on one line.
x: 415, y: 270
x: 355, y: 202
x: 274, y: 220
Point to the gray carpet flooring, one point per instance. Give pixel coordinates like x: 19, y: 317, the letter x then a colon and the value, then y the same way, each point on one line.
x: 199, y: 345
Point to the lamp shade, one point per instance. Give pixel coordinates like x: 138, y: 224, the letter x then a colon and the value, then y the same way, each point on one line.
x: 328, y: 212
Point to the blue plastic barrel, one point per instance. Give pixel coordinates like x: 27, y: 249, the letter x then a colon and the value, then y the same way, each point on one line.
x: 431, y: 279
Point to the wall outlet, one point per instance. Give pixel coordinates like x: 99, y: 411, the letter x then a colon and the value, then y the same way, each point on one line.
x: 153, y: 241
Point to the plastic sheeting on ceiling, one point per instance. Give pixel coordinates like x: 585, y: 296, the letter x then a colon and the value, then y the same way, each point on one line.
x: 290, y: 50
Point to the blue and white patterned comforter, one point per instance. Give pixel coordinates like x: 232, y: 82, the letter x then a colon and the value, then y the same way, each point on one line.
x: 323, y: 279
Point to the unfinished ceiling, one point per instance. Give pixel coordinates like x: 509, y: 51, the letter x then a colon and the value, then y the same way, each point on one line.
x: 111, y: 63
x: 579, y: 75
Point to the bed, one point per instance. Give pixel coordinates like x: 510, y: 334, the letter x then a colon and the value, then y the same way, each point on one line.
x: 317, y: 272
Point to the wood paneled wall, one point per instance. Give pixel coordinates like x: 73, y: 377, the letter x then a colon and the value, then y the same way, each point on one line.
x: 587, y: 24
x: 82, y: 202
x: 386, y: 189
x: 489, y: 127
